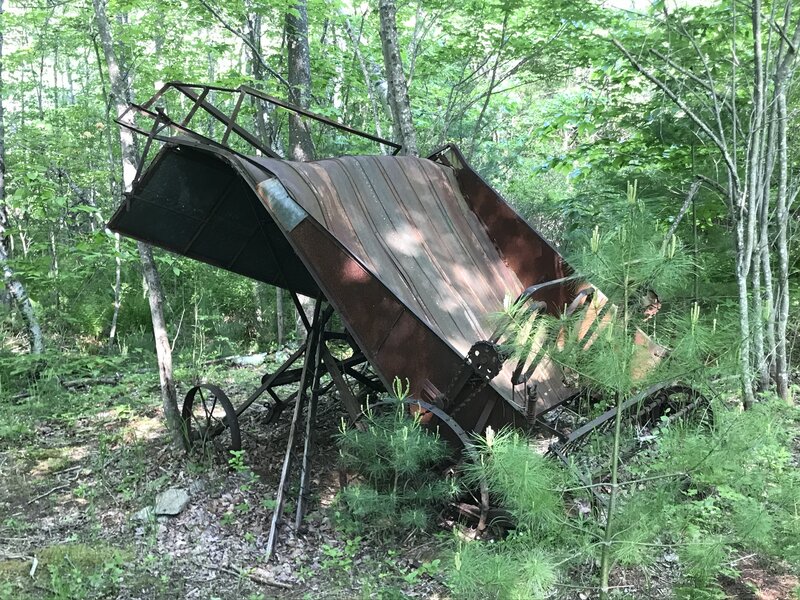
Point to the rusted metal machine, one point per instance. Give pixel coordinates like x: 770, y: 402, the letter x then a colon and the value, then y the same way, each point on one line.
x: 411, y: 255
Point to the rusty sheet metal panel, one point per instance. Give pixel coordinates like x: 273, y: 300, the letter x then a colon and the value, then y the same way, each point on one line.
x: 529, y: 256
x: 395, y: 341
x: 405, y: 221
x: 414, y: 267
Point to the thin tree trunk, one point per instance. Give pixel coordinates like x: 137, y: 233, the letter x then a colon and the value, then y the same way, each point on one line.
x: 301, y: 147
x: 398, y: 90
x: 14, y: 286
x: 781, y: 357
x: 742, y: 264
x: 605, y: 555
x: 766, y: 369
x: 112, y: 187
x: 279, y: 322
x: 259, y: 312
x: 476, y: 129
x: 54, y: 268
x: 120, y: 85
x: 759, y: 353
x: 376, y: 115
x: 112, y: 334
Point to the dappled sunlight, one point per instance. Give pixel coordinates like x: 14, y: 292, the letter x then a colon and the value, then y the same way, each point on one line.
x: 59, y: 458
x: 405, y: 240
x: 143, y: 429
x: 352, y: 272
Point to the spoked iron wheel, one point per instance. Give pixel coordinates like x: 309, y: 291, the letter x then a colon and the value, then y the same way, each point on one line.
x: 643, y: 416
x: 674, y: 404
x: 209, y: 421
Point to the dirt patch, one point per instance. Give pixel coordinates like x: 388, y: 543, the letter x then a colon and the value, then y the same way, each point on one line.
x: 761, y: 580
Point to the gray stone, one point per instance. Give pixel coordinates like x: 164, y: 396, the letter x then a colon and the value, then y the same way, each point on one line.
x: 171, y: 502
x: 143, y: 515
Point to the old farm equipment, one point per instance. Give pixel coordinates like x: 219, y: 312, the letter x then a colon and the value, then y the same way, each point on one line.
x: 406, y: 259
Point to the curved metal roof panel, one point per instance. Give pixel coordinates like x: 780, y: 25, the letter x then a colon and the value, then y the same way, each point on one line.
x: 406, y: 220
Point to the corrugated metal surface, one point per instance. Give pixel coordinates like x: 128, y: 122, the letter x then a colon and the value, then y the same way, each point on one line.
x: 405, y: 219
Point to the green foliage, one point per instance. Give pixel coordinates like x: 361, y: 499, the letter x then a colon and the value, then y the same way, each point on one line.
x: 68, y: 572
x: 501, y: 573
x: 399, y: 488
x: 530, y: 486
x: 526, y: 483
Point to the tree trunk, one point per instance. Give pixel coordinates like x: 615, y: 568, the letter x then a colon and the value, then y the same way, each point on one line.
x: 782, y: 216
x: 279, y: 323
x: 112, y: 333
x: 14, y: 286
x: 742, y: 265
x: 365, y: 71
x: 120, y: 84
x: 301, y: 147
x: 398, y: 90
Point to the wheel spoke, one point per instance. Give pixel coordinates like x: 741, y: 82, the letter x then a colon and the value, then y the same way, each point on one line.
x: 210, y: 418
x: 209, y: 415
x: 214, y: 406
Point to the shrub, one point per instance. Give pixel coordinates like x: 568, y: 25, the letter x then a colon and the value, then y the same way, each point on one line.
x: 399, y: 486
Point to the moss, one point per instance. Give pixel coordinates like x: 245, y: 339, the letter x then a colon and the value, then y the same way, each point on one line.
x: 61, y: 568
x: 80, y: 556
x: 11, y: 569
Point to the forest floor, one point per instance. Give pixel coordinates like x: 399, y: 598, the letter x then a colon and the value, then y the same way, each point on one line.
x: 77, y: 466
x: 76, y: 475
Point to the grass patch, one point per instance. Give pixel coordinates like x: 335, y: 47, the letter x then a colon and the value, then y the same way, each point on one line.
x: 65, y: 571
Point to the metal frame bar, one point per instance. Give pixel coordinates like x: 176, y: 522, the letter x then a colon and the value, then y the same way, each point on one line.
x: 313, y: 340
x: 220, y: 116
x: 198, y: 93
x: 307, y: 113
x: 197, y: 103
x: 311, y: 416
x: 232, y: 119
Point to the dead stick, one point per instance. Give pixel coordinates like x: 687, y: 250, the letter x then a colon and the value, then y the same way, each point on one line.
x: 46, y: 494
x: 258, y: 578
x: 91, y: 381
x: 67, y: 470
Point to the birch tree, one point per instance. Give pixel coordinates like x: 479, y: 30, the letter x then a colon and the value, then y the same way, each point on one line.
x: 14, y: 286
x: 752, y: 148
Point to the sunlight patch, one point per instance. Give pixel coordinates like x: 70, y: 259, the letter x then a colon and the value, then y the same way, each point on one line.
x: 145, y: 428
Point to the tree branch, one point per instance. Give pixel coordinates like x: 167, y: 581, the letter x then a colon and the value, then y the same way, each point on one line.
x: 699, y: 180
x: 248, y: 42
x: 684, y: 107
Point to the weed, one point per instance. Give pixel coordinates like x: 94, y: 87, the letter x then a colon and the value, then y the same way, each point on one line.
x: 429, y: 569
x: 341, y: 558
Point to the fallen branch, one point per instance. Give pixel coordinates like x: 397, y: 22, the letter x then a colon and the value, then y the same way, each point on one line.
x: 46, y: 494
x: 79, y: 383
x: 257, y: 575
x: 67, y: 470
